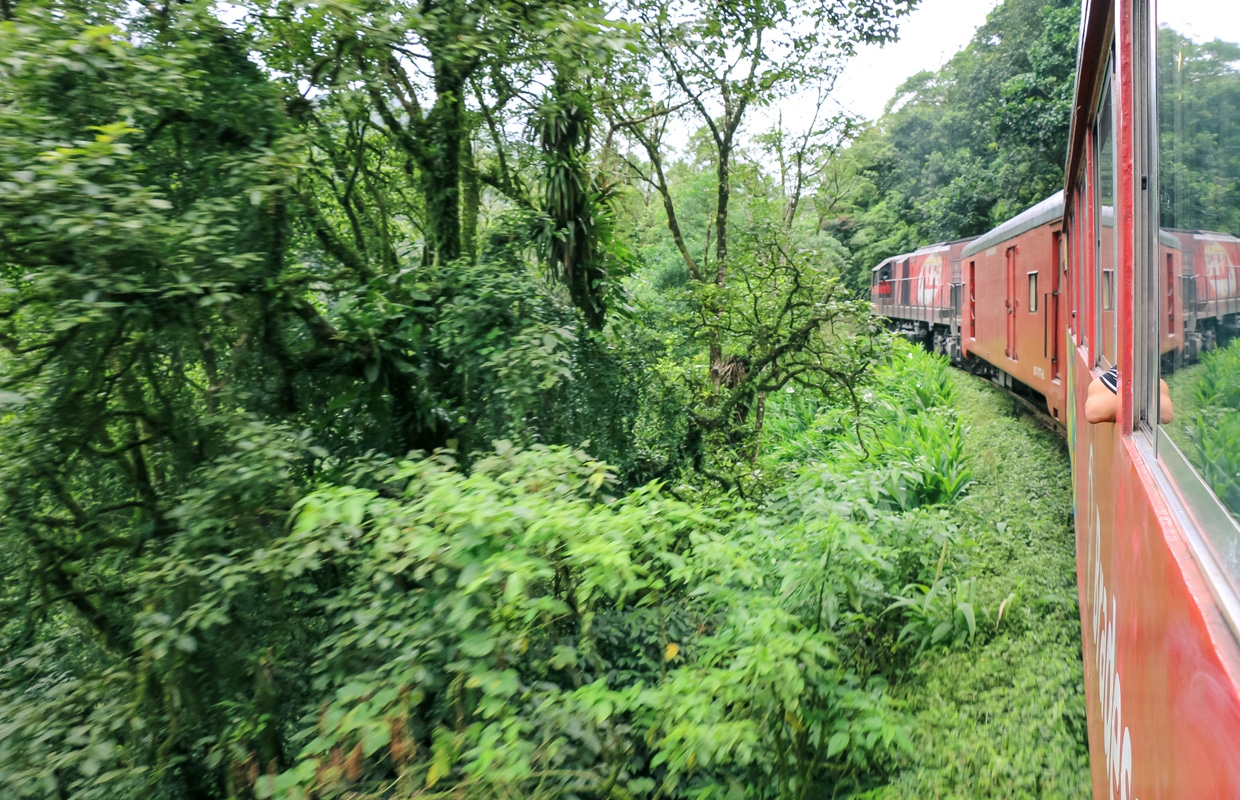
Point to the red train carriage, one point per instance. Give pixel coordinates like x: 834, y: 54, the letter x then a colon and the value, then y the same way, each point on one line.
x: 1012, y: 304
x: 1014, y: 310
x: 1210, y: 284
x: 1158, y: 544
x: 920, y: 291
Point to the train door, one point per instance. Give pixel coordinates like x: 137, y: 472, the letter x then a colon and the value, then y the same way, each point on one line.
x: 1010, y: 302
x: 905, y: 282
x: 972, y: 299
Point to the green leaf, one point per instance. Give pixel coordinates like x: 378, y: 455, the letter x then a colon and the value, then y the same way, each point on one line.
x: 967, y: 610
x: 442, y: 751
x: 477, y: 645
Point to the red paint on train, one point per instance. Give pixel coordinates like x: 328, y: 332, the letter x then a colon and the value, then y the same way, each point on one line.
x: 1162, y: 669
x: 1014, y: 303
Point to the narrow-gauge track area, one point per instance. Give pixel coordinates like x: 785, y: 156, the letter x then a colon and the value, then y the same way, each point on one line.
x: 1006, y: 717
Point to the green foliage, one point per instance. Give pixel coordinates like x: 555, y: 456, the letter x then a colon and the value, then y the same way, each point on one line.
x: 1005, y: 717
x: 233, y: 320
x: 940, y: 612
x: 965, y: 148
x: 1212, y: 432
x: 1198, y: 162
x: 1002, y: 552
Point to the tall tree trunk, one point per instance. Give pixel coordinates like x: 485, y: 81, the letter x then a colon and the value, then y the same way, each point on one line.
x: 441, y: 172
x: 724, y: 192
x: 471, y: 198
x: 721, y: 212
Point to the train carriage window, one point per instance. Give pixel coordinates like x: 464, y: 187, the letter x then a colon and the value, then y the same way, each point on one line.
x: 1033, y: 292
x: 1197, y: 54
x: 1104, y: 228
x: 1079, y: 317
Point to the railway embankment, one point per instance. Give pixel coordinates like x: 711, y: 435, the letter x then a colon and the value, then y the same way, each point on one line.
x: 1004, y: 715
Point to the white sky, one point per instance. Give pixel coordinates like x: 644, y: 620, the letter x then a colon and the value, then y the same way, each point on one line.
x: 929, y: 36
x: 1201, y: 20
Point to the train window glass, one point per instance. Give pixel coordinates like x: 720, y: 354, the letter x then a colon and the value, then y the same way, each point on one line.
x: 1078, y: 294
x: 1033, y: 292
x: 1070, y: 270
x: 1198, y: 103
x: 1108, y: 290
x: 1104, y: 227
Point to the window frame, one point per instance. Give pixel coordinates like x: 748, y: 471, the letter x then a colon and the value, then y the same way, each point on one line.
x: 1200, y: 514
x: 1146, y: 308
x: 1106, y: 97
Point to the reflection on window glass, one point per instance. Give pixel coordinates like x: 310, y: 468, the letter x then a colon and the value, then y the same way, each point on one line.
x: 1033, y: 292
x: 1079, y: 251
x: 1199, y: 252
x: 1104, y: 163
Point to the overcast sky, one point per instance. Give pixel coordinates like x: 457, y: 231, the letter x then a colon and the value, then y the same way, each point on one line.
x: 928, y: 38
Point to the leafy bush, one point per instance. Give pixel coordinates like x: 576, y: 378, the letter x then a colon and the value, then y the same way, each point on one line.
x: 1213, y: 431
x: 513, y: 631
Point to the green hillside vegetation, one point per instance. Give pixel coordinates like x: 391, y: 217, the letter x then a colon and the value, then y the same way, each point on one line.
x: 389, y: 408
x: 962, y: 149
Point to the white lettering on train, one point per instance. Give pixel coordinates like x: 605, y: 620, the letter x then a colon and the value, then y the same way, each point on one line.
x: 1116, y: 742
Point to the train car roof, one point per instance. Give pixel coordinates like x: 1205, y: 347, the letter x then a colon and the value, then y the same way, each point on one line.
x: 921, y: 251
x: 1168, y: 236
x: 1209, y: 236
x: 1170, y: 239
x: 1046, y: 211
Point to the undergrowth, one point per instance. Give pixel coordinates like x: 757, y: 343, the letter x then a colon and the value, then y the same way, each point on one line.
x: 984, y: 656
x: 896, y: 617
x: 1005, y: 715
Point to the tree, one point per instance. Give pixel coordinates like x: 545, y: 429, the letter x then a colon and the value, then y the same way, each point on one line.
x: 719, y: 61
x: 713, y: 64
x: 1199, y: 158
x: 962, y: 149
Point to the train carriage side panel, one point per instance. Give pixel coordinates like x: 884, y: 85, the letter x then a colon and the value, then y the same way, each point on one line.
x: 1012, y: 276
x: 1161, y: 667
x: 1161, y: 661
x: 985, y: 284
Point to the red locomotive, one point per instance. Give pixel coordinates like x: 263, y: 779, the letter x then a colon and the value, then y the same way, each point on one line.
x: 1134, y: 266
x: 921, y: 291
x: 1210, y: 281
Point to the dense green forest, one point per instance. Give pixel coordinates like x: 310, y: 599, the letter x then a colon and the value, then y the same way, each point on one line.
x: 473, y: 399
